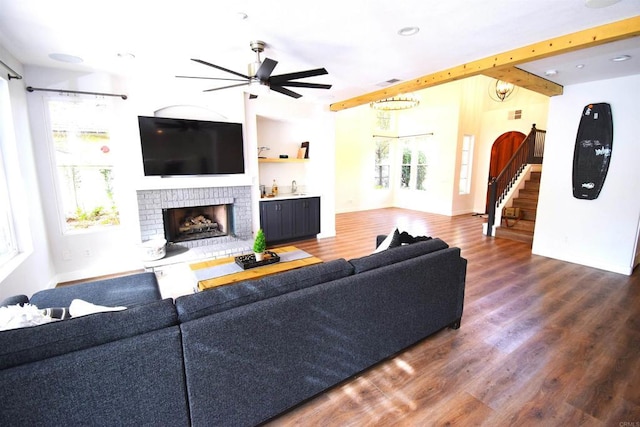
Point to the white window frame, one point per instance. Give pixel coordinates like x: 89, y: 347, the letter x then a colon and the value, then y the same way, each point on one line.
x: 416, y: 144
x: 466, y: 164
x: 7, y: 208
x: 377, y: 140
x: 64, y: 229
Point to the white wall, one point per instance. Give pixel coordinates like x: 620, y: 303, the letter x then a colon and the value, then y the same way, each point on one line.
x: 99, y: 253
x: 354, y: 162
x: 449, y: 111
x: 601, y: 233
x: 33, y: 269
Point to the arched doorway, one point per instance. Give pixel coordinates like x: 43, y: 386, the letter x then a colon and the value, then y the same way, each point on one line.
x: 501, y: 151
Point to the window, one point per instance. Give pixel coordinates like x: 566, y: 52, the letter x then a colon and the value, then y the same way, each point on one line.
x: 8, y: 243
x: 83, y: 160
x: 382, y: 163
x: 466, y: 160
x: 8, y: 246
x: 413, y: 168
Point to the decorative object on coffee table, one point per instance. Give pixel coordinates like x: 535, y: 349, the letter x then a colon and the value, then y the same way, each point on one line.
x: 251, y: 261
x: 259, y: 245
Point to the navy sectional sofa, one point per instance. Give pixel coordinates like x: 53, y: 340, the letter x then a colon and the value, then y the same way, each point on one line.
x: 234, y: 355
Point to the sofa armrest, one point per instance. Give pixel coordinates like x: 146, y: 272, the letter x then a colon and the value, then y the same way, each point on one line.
x: 15, y: 300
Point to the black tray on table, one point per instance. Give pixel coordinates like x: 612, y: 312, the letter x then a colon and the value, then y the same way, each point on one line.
x: 249, y: 260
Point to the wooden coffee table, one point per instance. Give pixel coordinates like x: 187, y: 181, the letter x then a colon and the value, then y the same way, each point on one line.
x: 251, y: 273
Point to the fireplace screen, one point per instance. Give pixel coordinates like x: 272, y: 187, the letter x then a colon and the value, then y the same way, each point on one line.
x: 196, y: 222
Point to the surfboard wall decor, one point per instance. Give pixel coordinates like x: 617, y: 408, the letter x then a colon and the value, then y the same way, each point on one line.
x: 592, y: 151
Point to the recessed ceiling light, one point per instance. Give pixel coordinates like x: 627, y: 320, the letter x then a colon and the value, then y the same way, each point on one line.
x: 551, y: 72
x: 241, y: 16
x: 126, y: 56
x: 597, y: 4
x: 63, y: 57
x: 408, y: 31
x: 621, y: 58
x: 580, y: 66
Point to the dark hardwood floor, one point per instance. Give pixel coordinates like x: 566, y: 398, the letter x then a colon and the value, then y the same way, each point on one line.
x: 543, y: 342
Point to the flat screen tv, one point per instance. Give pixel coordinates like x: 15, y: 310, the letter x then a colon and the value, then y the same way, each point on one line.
x: 190, y: 147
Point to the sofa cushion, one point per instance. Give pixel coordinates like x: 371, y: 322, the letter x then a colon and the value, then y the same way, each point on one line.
x: 223, y: 298
x: 124, y: 291
x: 394, y: 255
x: 27, y: 345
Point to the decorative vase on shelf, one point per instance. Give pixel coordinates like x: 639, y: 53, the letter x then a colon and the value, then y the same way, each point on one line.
x: 259, y: 245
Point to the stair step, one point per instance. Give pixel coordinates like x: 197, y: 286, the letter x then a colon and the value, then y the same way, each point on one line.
x: 527, y: 193
x: 529, y: 204
x: 521, y: 225
x: 530, y: 185
x: 535, y: 176
x: 519, y: 235
x: 528, y: 214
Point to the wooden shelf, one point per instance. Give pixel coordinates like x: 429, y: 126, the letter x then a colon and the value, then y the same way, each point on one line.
x: 278, y: 160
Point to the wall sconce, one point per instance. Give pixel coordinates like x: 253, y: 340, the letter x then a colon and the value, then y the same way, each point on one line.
x: 501, y: 90
x: 399, y: 102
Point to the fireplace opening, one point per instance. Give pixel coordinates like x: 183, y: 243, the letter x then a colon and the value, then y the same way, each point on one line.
x: 197, y: 222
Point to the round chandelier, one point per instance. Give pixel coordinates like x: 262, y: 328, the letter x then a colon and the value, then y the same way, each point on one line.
x: 399, y: 102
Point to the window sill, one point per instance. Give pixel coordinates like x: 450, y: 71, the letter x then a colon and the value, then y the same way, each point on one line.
x: 12, y: 265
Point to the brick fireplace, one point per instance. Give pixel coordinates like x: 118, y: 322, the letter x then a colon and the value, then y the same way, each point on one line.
x: 228, y: 207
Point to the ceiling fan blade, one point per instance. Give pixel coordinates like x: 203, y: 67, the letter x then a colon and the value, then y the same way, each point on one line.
x: 266, y: 68
x: 225, y: 87
x: 307, y: 85
x: 219, y: 68
x: 299, y: 75
x: 210, y: 78
x: 285, y: 91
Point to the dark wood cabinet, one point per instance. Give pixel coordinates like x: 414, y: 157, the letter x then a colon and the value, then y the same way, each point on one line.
x: 306, y: 216
x: 290, y: 219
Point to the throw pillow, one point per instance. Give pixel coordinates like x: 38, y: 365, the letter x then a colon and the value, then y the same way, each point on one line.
x: 79, y: 307
x: 392, y: 241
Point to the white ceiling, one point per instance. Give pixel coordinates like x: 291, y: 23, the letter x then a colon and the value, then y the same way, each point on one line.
x: 355, y: 40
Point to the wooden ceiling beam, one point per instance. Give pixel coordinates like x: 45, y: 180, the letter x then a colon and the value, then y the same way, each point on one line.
x: 524, y: 79
x: 505, y: 63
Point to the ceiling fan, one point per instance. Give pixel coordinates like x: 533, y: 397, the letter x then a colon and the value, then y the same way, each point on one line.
x: 259, y: 75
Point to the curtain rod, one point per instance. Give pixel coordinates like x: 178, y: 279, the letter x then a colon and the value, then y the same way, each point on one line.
x: 404, y: 136
x: 15, y: 76
x: 31, y: 89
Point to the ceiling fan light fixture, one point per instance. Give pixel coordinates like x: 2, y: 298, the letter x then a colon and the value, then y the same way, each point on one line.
x: 399, y: 102
x: 256, y: 87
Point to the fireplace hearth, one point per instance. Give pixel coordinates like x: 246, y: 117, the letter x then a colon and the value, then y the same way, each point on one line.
x: 197, y: 222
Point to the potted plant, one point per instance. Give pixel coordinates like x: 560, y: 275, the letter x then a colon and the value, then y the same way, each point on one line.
x: 259, y: 245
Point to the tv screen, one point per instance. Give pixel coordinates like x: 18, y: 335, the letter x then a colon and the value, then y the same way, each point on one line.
x: 190, y: 147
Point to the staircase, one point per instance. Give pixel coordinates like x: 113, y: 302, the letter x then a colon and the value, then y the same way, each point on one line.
x: 527, y: 201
